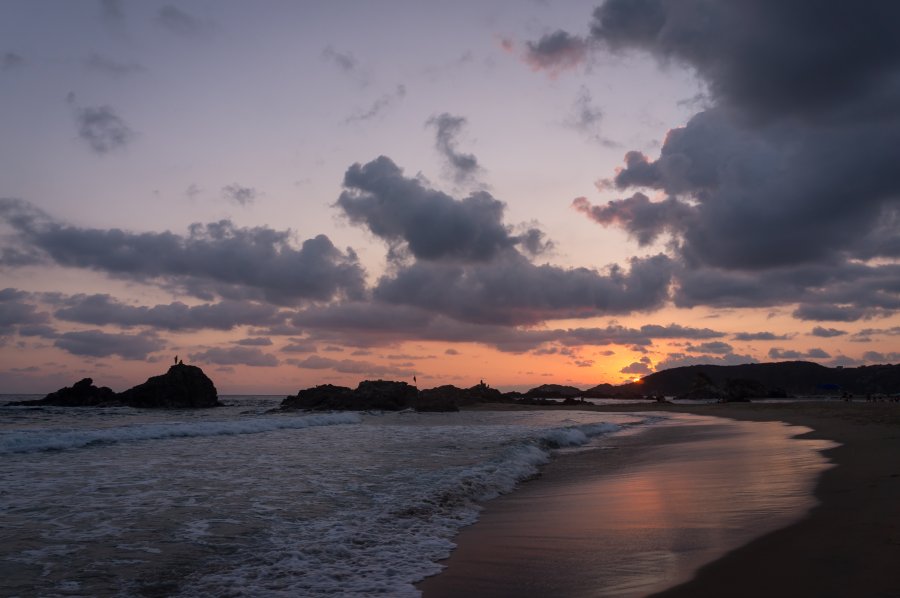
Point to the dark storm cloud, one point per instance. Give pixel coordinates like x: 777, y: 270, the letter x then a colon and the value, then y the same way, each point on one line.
x: 826, y: 291
x: 512, y: 290
x: 827, y: 332
x: 806, y: 59
x: 447, y: 129
x: 379, y: 106
x: 215, y: 258
x: 111, y: 67
x: 556, y: 52
x: 432, y: 224
x: 100, y: 127
x: 96, y: 343
x: 17, y: 311
x: 239, y: 355
x: 102, y: 310
x: 10, y: 60
x: 829, y: 313
x: 725, y: 184
x: 239, y: 194
x: 793, y: 163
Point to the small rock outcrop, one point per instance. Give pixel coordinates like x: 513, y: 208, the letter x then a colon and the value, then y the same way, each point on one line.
x: 183, y: 386
x: 554, y: 391
x: 319, y: 398
x: 451, y: 398
x: 81, y: 394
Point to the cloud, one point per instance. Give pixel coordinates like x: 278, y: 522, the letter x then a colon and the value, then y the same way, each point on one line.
x: 586, y: 118
x: 447, y: 129
x: 300, y: 345
x: 217, y: 258
x: 345, y: 60
x: 676, y: 360
x: 761, y: 183
x: 715, y: 347
x: 250, y: 356
x: 827, y: 332
x: 351, y: 366
x: 778, y: 353
x: 829, y: 313
x: 379, y: 106
x: 102, y: 310
x: 254, y: 342
x: 431, y: 224
x: 100, y: 127
x: 760, y: 336
x: 96, y: 343
x: 11, y: 60
x: 642, y: 367
x: 375, y: 324
x: 113, y: 68
x: 16, y: 312
x: 511, y: 290
x: 240, y: 195
x: 876, y: 357
x: 556, y: 52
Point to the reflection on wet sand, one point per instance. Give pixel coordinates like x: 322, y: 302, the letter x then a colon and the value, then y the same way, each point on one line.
x: 640, y: 516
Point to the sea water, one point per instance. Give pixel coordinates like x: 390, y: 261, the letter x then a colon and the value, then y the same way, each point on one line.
x: 244, y: 501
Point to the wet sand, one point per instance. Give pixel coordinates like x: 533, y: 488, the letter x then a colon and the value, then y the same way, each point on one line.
x: 636, y: 519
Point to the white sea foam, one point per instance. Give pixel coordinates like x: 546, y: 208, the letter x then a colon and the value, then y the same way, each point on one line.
x: 397, y: 541
x: 25, y: 441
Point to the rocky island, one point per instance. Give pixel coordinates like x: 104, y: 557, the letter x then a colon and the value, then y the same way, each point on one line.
x: 182, y: 387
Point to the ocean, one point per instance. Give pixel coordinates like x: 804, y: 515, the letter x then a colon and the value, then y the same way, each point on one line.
x: 241, y: 501
x: 244, y: 501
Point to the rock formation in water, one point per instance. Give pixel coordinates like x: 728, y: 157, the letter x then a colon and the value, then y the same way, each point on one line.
x: 183, y: 386
x: 387, y: 395
x: 81, y: 394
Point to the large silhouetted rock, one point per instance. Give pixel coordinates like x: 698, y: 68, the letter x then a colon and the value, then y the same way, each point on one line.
x: 183, y: 386
x: 81, y: 394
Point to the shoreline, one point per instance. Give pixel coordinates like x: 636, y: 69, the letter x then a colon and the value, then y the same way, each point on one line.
x: 848, y: 544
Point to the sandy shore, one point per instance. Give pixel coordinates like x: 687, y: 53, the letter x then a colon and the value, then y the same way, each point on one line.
x: 847, y: 545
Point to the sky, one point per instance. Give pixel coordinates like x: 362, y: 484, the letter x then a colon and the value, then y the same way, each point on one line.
x: 521, y: 192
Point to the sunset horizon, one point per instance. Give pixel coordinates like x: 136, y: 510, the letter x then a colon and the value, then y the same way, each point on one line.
x: 294, y: 197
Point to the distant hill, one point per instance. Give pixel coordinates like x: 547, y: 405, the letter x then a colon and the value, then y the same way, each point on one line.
x: 793, y: 377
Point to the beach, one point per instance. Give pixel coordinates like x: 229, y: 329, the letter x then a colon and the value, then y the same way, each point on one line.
x: 846, y: 543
